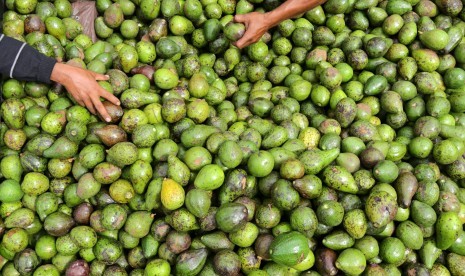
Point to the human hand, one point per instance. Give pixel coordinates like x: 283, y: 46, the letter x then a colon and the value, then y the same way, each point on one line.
x: 256, y: 25
x: 83, y: 87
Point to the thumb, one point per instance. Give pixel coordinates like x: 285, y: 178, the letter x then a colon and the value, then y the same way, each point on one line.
x: 239, y: 18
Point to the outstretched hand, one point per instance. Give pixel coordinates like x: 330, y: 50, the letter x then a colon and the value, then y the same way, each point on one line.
x: 83, y: 87
x: 256, y: 25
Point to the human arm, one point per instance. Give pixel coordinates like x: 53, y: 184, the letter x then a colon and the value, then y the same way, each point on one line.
x: 20, y: 61
x: 258, y: 23
x: 82, y: 85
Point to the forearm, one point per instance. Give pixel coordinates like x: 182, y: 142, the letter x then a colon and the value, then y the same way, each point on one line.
x: 291, y: 8
x: 20, y: 61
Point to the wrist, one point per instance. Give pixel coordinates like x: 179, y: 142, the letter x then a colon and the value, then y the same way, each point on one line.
x: 58, y: 73
x: 272, y: 18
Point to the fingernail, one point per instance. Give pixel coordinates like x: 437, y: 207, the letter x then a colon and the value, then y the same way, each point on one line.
x: 107, y: 76
x: 118, y: 103
x: 108, y: 119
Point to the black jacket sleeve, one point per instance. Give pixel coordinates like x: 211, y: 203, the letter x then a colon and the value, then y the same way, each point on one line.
x: 20, y: 61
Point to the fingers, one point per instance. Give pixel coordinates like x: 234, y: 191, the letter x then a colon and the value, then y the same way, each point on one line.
x: 95, y: 97
x: 100, y: 108
x: 240, y: 43
x: 77, y: 98
x: 98, y: 104
x: 80, y: 102
x: 239, y: 18
x: 242, y: 18
x: 110, y: 97
x: 89, y: 104
x: 245, y: 41
x: 101, y: 77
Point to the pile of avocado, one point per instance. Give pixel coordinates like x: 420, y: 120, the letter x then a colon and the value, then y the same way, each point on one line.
x: 333, y: 146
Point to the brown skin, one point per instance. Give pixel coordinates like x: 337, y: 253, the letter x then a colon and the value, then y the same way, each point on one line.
x: 82, y: 84
x: 258, y: 23
x: 83, y: 87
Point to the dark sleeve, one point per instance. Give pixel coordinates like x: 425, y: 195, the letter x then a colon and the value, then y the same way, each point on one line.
x: 20, y: 61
